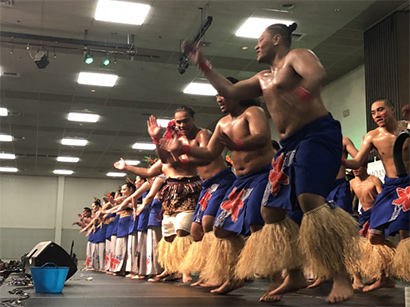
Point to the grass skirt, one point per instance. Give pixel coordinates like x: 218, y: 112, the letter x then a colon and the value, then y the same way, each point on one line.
x: 270, y: 250
x: 401, y: 261
x: 197, y: 255
x: 222, y: 259
x: 328, y: 238
x: 377, y: 259
x: 163, y: 252
x: 179, y: 248
x: 354, y: 266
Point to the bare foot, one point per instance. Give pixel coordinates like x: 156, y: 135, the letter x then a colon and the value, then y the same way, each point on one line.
x: 138, y: 277
x: 172, y: 277
x: 357, y: 283
x: 228, y: 286
x: 316, y: 283
x: 129, y: 276
x: 384, y: 282
x: 342, y: 289
x: 275, y: 283
x: 201, y: 283
x: 186, y: 278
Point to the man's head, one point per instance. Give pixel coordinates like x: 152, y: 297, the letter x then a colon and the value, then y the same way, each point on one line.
x: 226, y: 105
x: 184, y: 119
x: 382, y: 112
x: 86, y: 212
x: 127, y: 189
x: 274, y: 36
x: 361, y: 171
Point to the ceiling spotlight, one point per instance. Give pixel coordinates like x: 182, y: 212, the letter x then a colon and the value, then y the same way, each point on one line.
x: 41, y: 59
x: 106, y: 61
x: 88, y: 58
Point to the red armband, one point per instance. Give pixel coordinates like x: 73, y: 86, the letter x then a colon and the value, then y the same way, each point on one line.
x: 155, y: 140
x: 239, y: 145
x: 184, y: 162
x: 185, y: 149
x: 204, y: 66
x: 302, y: 93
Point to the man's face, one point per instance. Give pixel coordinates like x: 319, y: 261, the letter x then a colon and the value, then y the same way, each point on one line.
x: 225, y: 105
x: 264, y: 47
x: 381, y: 113
x: 360, y: 171
x: 184, y: 122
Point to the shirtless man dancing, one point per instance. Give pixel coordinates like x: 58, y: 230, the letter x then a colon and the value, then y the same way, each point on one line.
x: 311, y: 143
x: 390, y: 213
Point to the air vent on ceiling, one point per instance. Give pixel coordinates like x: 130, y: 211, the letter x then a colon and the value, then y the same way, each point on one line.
x: 10, y: 74
x: 297, y: 36
x: 7, y: 3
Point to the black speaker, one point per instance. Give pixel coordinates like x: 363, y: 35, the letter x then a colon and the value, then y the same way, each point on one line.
x: 48, y: 251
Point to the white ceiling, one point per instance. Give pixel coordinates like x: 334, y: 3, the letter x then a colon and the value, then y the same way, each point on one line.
x: 38, y: 100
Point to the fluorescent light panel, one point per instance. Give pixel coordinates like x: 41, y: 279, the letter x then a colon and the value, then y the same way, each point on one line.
x: 7, y: 169
x: 133, y: 162
x: 68, y: 159
x: 63, y: 172
x: 163, y: 122
x: 114, y: 174
x: 5, y: 138
x: 90, y: 78
x: 3, y: 112
x: 83, y: 117
x: 74, y: 142
x: 144, y: 146
x: 121, y: 12
x: 253, y: 27
x: 7, y: 156
x: 204, y: 89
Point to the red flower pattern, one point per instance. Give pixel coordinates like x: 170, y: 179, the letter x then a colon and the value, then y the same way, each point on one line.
x: 233, y: 204
x: 365, y: 230
x: 277, y: 176
x: 88, y: 261
x: 204, y: 200
x: 404, y: 198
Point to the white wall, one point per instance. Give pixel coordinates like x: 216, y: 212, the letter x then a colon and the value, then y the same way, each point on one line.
x: 40, y: 208
x: 348, y: 93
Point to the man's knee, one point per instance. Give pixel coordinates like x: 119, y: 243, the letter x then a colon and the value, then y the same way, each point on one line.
x: 207, y: 223
x: 309, y: 201
x: 196, y: 231
x: 182, y: 233
x: 376, y: 238
x: 272, y: 215
x: 221, y: 233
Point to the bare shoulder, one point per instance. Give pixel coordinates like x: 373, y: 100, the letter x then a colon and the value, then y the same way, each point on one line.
x: 255, y: 110
x: 375, y: 179
x: 203, y: 133
x: 301, y: 52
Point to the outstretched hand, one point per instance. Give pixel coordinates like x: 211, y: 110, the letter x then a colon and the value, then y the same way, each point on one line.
x: 194, y: 52
x: 120, y: 164
x: 154, y: 130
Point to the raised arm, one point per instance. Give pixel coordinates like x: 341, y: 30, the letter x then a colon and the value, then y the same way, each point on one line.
x: 350, y: 148
x: 242, y: 90
x: 362, y: 155
x: 153, y: 171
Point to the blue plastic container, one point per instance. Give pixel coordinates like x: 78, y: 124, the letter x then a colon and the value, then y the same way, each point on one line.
x: 49, y: 278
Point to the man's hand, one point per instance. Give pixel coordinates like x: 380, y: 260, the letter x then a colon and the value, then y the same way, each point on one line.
x: 172, y: 146
x: 154, y: 130
x: 227, y: 141
x: 121, y: 165
x: 194, y: 52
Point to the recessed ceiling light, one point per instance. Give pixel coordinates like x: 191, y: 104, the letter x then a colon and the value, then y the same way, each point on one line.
x: 163, y: 122
x: 63, y: 172
x: 8, y: 169
x: 7, y: 156
x: 74, y: 142
x: 204, y: 89
x: 133, y: 162
x: 121, y: 12
x: 5, y: 138
x: 115, y: 174
x: 3, y: 112
x: 253, y: 27
x: 68, y: 159
x: 144, y: 146
x: 90, y: 78
x: 244, y: 47
x: 83, y: 117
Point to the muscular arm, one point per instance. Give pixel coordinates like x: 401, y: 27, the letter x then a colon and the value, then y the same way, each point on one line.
x: 362, y: 154
x: 350, y: 148
x: 242, y: 90
x: 153, y: 171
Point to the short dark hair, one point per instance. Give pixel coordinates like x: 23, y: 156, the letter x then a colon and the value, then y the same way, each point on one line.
x: 386, y: 101
x: 87, y: 209
x: 284, y: 31
x: 131, y: 186
x: 187, y: 109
